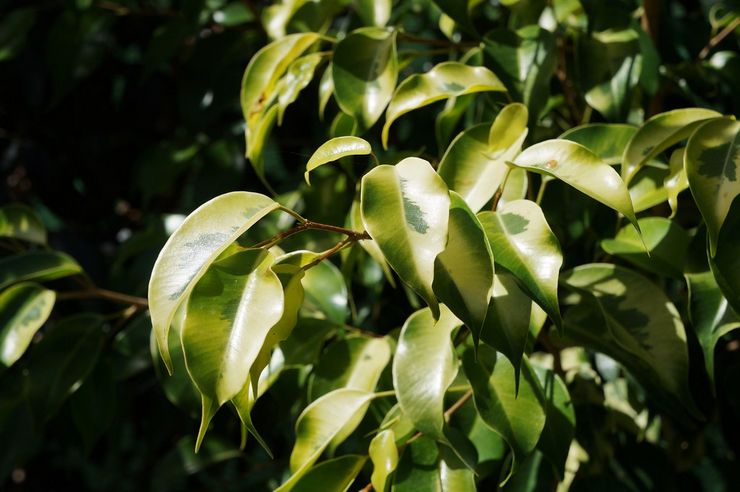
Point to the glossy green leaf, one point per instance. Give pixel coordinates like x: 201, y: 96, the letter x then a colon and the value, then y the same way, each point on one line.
x: 374, y: 12
x: 463, y: 272
x: 61, y: 361
x: 448, y: 79
x: 335, y: 475
x: 243, y: 403
x: 405, y: 209
x: 364, y: 71
x: 354, y: 363
x: 229, y: 313
x: 323, y: 424
x: 459, y: 11
x: 202, y: 236
x: 369, y: 245
x: 299, y: 74
x: 712, y: 163
x: 470, y: 169
x: 517, y: 414
x: 335, y: 149
x: 384, y: 455
x: 582, y: 169
x: 560, y: 422
x: 630, y: 319
x: 647, y: 188
x: 326, y: 292
x: 523, y: 243
x: 726, y: 262
x: 326, y: 89
x: 658, y: 133
x: 424, y: 367
x: 426, y: 465
x: 711, y: 315
x: 666, y: 242
x: 606, y: 140
x: 676, y: 181
x: 24, y: 308
x: 525, y: 61
x: 21, y: 222
x: 40, y: 266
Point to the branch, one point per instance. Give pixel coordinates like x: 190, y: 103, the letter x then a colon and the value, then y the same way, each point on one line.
x: 109, y: 295
x: 719, y: 37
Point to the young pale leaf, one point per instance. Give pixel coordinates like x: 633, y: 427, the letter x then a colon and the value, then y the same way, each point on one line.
x: 712, y: 163
x: 24, y: 308
x: 448, y: 79
x: 426, y: 465
x: 324, y: 423
x: 384, y: 455
x: 710, y: 313
x: 470, y: 169
x: 666, y: 242
x: 517, y: 414
x: 364, y: 71
x: 40, y: 266
x: 631, y: 320
x: 509, y: 319
x: 560, y: 424
x: 463, y: 272
x: 405, y: 209
x: 229, y: 313
x: 204, y: 234
x: 335, y: 475
x: 354, y: 363
x: 523, y: 243
x: 21, y: 222
x: 582, y: 169
x: 676, y: 181
x: 335, y: 149
x: 508, y: 131
x: 606, y: 140
x: 374, y: 12
x: 658, y: 133
x: 424, y: 366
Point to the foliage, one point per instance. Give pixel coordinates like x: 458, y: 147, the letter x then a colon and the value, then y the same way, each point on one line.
x: 512, y: 263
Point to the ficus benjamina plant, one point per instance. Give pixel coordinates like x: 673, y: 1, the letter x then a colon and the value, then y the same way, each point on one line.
x: 517, y: 278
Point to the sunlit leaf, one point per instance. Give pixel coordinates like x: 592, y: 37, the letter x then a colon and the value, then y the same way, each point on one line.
x: 364, y: 70
x: 369, y: 245
x: 384, y: 455
x: 374, y: 12
x: 24, y: 308
x: 335, y: 475
x: 202, y: 236
x: 20, y: 222
x: 335, y: 149
x: 405, y: 209
x: 426, y: 465
x: 297, y: 77
x: 606, y: 140
x: 448, y: 79
x: 676, y: 181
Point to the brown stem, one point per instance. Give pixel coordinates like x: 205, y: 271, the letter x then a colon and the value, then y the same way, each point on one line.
x: 458, y: 404
x: 719, y: 37
x: 500, y: 190
x: 326, y: 254
x: 307, y: 224
x: 569, y: 91
x: 109, y: 295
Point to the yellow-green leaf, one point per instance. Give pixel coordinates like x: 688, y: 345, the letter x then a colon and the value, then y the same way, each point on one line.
x: 335, y: 475
x: 202, y: 236
x: 676, y: 181
x: 405, y: 209
x: 374, y: 12
x: 606, y: 140
x: 24, y: 308
x: 298, y: 76
x: 448, y: 79
x: 21, y: 222
x: 335, y: 149
x: 384, y: 455
x: 427, y: 465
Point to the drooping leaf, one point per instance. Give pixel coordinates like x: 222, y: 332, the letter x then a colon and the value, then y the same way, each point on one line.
x: 517, y: 414
x: 229, y: 313
x: 21, y: 222
x: 326, y: 89
x: 384, y: 455
x: 463, y: 272
x: 582, y: 169
x: 628, y: 318
x: 299, y: 74
x: 426, y: 465
x: 323, y: 424
x: 712, y: 163
x: 606, y: 140
x: 523, y: 243
x: 202, y: 236
x: 243, y: 403
x: 711, y: 315
x: 364, y: 70
x: 61, y: 361
x: 405, y: 209
x: 24, y: 308
x: 335, y: 149
x: 374, y: 12
x: 560, y: 422
x: 424, y: 367
x: 658, y: 133
x: 666, y: 242
x: 40, y: 266
x: 335, y: 475
x: 448, y: 79
x: 354, y: 363
x: 475, y: 163
x: 525, y: 61
x: 676, y: 181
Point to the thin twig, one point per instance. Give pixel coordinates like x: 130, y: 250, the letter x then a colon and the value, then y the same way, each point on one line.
x: 109, y: 295
x: 500, y: 190
x: 719, y: 37
x: 329, y: 252
x: 568, y: 91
